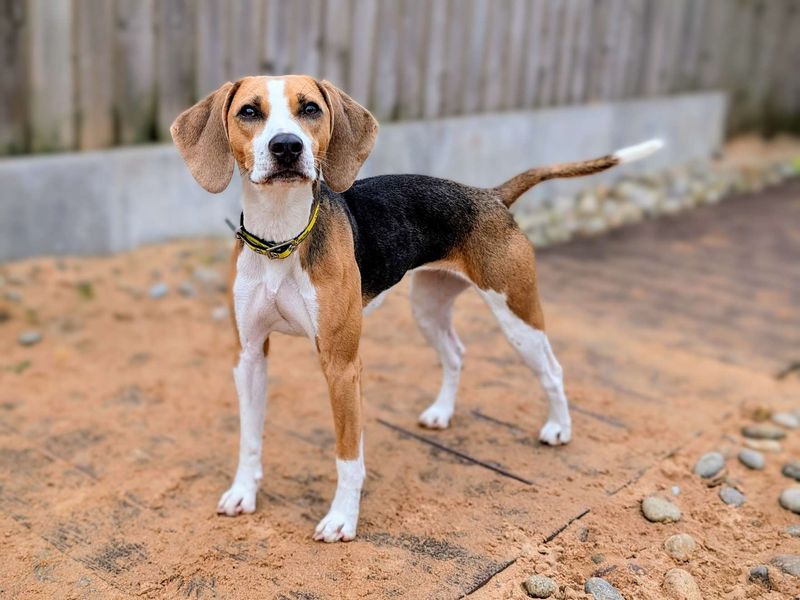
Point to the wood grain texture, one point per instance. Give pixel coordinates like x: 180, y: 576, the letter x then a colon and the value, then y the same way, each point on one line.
x: 14, y: 91
x: 175, y: 34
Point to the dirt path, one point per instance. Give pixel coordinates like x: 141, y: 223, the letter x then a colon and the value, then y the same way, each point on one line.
x: 118, y: 430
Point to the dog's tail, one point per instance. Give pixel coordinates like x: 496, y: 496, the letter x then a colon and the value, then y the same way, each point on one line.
x: 518, y: 185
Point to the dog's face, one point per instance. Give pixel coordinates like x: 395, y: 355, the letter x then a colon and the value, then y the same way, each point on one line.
x: 279, y: 130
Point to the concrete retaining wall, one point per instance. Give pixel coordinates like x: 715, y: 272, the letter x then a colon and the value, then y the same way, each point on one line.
x: 98, y: 202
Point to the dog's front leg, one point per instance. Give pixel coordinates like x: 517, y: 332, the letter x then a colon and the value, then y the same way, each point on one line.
x: 250, y: 376
x: 342, y: 368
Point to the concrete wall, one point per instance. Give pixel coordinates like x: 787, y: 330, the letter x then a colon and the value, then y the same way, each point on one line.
x: 97, y: 202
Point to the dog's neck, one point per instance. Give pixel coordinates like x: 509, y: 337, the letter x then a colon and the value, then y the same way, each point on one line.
x: 276, y: 212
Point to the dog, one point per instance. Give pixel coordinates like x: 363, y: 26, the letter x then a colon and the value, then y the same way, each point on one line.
x: 312, y: 257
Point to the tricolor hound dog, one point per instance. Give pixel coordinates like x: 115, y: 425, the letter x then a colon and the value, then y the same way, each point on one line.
x: 337, y: 246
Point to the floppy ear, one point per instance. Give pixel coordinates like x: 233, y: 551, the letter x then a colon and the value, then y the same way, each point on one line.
x: 353, y: 134
x: 201, y: 135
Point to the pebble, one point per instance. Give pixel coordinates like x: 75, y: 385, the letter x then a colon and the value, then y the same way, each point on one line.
x: 731, y: 496
x: 600, y: 589
x: 752, y: 459
x: 158, y: 290
x: 659, y: 510
x: 760, y: 574
x: 676, y: 490
x: 680, y: 585
x: 792, y: 469
x: 793, y: 530
x: 788, y: 563
x: 220, y: 313
x: 790, y: 499
x: 209, y: 278
x: 680, y: 546
x: 764, y: 445
x: 13, y: 296
x: 709, y: 465
x: 186, y: 289
x: 763, y: 431
x: 29, y: 338
x: 786, y: 419
x: 539, y: 586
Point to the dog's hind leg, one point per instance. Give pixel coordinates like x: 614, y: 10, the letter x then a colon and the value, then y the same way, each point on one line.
x: 433, y: 293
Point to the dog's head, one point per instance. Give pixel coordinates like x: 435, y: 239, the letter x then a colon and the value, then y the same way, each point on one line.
x: 280, y: 130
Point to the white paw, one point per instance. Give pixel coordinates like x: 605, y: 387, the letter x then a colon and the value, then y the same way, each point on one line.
x: 240, y: 498
x: 554, y: 433
x: 336, y: 526
x: 436, y: 417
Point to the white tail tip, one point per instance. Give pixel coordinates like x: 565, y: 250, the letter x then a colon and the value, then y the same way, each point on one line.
x: 639, y: 151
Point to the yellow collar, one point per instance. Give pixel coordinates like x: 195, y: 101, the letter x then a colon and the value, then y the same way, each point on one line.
x: 276, y: 249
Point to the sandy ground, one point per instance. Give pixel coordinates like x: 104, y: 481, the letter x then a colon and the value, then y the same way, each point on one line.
x: 118, y: 430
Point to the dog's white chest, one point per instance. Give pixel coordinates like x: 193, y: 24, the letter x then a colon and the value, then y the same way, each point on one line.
x: 273, y: 295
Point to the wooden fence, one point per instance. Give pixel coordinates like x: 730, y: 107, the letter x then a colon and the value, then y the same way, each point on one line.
x: 81, y: 74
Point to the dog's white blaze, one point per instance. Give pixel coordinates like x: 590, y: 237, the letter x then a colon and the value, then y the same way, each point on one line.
x: 279, y: 120
x: 639, y: 151
x: 534, y: 348
x: 341, y: 521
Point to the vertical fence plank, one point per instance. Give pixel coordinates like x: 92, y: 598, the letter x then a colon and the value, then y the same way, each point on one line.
x: 211, y: 66
x: 134, y: 71
x: 362, y: 48
x: 412, y: 49
x: 513, y: 81
x: 582, y: 49
x: 244, y: 38
x: 455, y: 57
x: 434, y: 75
x: 306, y: 36
x: 566, y: 48
x: 336, y: 42
x: 52, y: 104
x: 533, y: 46
x: 495, y: 58
x: 549, y: 52
x: 383, y: 99
x: 475, y: 49
x: 175, y: 31
x: 94, y: 64
x: 13, y: 77
x: 276, y: 56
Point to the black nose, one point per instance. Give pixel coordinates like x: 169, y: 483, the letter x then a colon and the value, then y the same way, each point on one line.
x: 286, y: 147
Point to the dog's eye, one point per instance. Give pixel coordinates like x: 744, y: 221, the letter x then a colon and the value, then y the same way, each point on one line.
x: 311, y: 109
x: 248, y: 111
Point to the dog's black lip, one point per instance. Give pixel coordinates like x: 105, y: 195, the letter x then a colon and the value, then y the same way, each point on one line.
x: 285, y: 175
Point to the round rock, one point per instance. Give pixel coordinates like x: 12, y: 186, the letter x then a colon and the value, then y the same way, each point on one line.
x: 29, y: 338
x: 731, y: 496
x: 760, y: 574
x: 709, y: 465
x: 680, y: 585
x: 763, y: 431
x: 600, y: 589
x: 788, y: 563
x: 786, y: 419
x: 752, y: 459
x: 790, y: 499
x: 186, y: 289
x: 158, y: 290
x: 763, y: 445
x: 793, y: 530
x: 539, y: 586
x: 680, y: 546
x: 792, y: 470
x: 660, y: 510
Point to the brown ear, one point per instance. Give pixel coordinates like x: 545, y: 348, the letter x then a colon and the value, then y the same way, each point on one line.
x: 353, y: 134
x: 201, y: 135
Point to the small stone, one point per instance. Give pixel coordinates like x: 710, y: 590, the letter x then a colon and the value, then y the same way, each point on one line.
x: 763, y: 431
x: 597, y: 558
x: 786, y: 419
x: 539, y: 586
x: 13, y: 296
x: 158, y: 290
x: 29, y: 338
x: 709, y: 465
x: 220, y: 313
x: 788, y: 563
x: 792, y: 470
x: 660, y: 510
x: 731, y: 496
x: 600, y: 589
x: 676, y: 490
x: 209, y: 278
x: 680, y: 546
x: 186, y: 289
x: 760, y: 574
x: 790, y: 499
x: 583, y: 534
x: 680, y: 585
x: 752, y: 459
x: 793, y: 530
x: 764, y: 445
